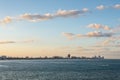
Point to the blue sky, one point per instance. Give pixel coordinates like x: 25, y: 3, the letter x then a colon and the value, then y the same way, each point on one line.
x: 47, y: 28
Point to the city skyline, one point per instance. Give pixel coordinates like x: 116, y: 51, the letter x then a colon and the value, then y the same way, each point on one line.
x: 48, y: 28
x: 69, y: 56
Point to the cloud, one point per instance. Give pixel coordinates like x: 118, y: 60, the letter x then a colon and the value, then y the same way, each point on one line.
x: 106, y: 42
x: 95, y: 34
x: 106, y: 28
x: 80, y: 48
x: 109, y: 32
x: 6, y: 20
x: 7, y: 42
x: 109, y: 42
x: 100, y: 7
x: 98, y: 34
x: 112, y: 40
x: 10, y: 42
x: 117, y: 6
x: 59, y: 13
x: 116, y: 29
x: 99, y: 26
x: 80, y: 35
x: 38, y: 17
x: 88, y: 35
x: 85, y: 10
x: 68, y: 35
x: 65, y: 13
x: 28, y: 41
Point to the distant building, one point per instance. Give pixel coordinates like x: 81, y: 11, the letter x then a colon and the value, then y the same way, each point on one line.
x: 69, y: 56
x: 74, y: 57
x: 27, y: 57
x: 98, y: 57
x: 57, y: 57
x: 45, y: 57
x: 3, y: 57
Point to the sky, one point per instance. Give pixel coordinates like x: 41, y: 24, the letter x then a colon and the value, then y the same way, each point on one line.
x: 59, y: 27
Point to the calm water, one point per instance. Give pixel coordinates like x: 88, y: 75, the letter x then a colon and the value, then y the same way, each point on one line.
x: 60, y: 69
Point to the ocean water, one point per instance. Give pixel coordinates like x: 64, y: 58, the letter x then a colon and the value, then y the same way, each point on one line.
x: 60, y: 69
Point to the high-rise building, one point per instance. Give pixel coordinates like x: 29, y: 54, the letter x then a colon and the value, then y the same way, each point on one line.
x: 69, y: 56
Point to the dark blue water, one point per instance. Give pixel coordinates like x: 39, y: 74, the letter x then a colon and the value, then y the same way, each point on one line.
x: 60, y: 69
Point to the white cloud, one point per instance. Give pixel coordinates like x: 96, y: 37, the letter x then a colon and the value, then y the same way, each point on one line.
x: 85, y: 9
x: 6, y: 20
x: 88, y: 35
x: 98, y: 34
x: 59, y: 13
x: 100, y: 7
x: 79, y: 35
x: 95, y: 26
x: 47, y: 16
x: 113, y: 40
x: 68, y: 35
x: 106, y: 28
x: 12, y: 41
x: 93, y: 33
x: 117, y: 6
x: 35, y: 17
x: 69, y: 13
x: 7, y: 42
x: 99, y: 26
